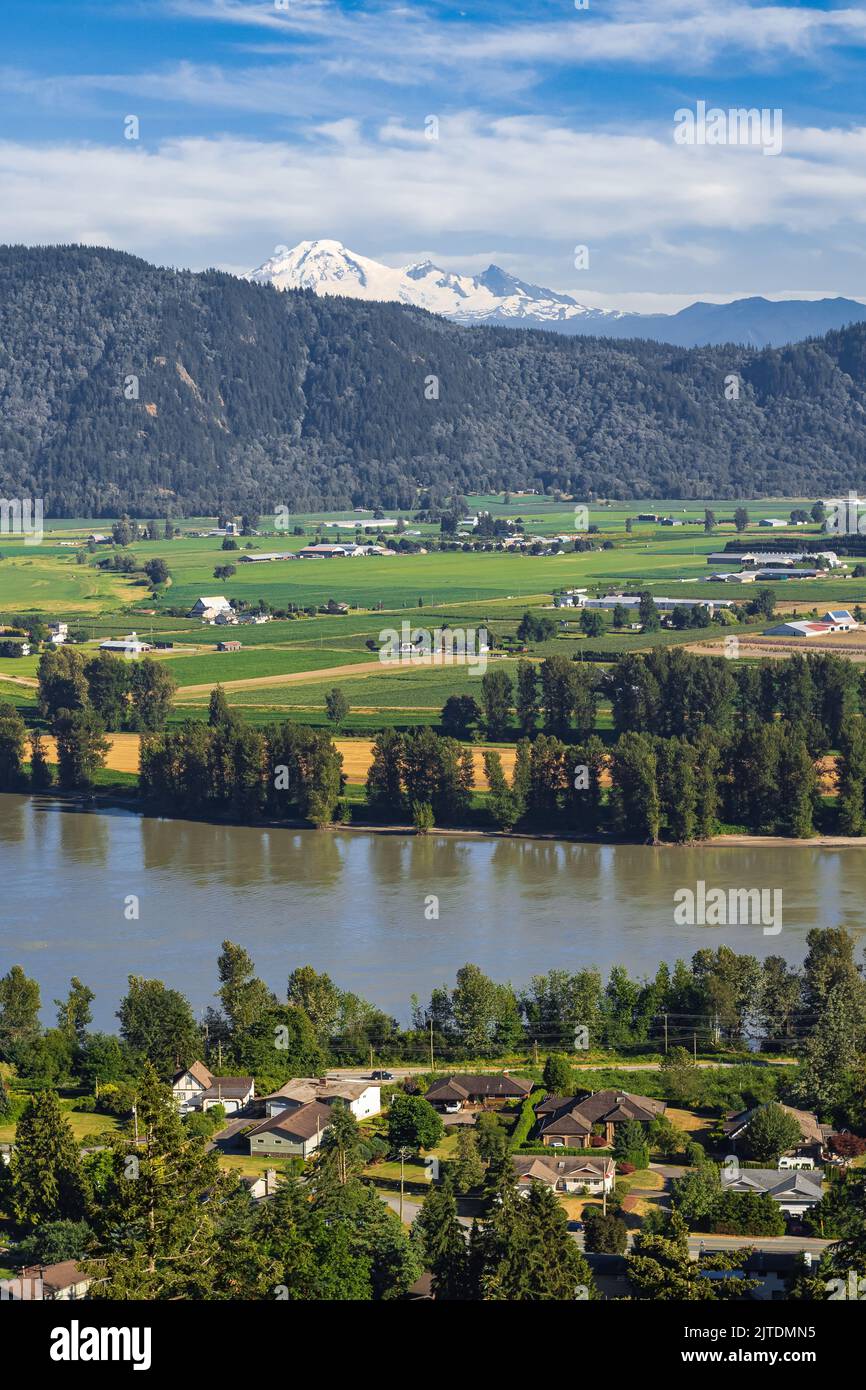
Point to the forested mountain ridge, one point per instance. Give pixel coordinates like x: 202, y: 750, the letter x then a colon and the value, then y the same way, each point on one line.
x: 249, y: 397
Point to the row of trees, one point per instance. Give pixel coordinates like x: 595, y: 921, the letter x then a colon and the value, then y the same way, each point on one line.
x: 559, y: 695
x: 644, y: 788
x: 670, y: 691
x: 122, y: 694
x: 285, y: 771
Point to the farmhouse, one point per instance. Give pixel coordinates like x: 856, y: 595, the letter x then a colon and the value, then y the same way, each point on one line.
x: 125, y: 646
x: 196, y: 1088
x: 228, y: 646
x: 835, y: 620
x: 567, y: 1122
x: 565, y: 1174
x: 795, y: 1191
x: 59, y: 632
x: 363, y: 1098
x: 457, y: 1092
x: 204, y: 607
x: 290, y: 1133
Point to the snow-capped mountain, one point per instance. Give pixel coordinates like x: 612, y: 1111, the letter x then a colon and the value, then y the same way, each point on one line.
x: 496, y: 297
x: 328, y: 267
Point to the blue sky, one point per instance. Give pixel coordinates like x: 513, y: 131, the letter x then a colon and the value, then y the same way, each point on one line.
x: 266, y: 122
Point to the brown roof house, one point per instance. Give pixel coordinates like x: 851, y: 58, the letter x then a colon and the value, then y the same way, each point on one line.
x: 196, y: 1088
x: 457, y: 1092
x: 813, y: 1135
x: 62, y: 1282
x: 582, y: 1175
x: 294, y: 1133
x: 567, y: 1122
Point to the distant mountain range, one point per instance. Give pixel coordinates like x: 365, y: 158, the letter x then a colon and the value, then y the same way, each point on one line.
x: 497, y: 298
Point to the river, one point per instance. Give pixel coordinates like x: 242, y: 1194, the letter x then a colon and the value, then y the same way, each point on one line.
x: 363, y: 906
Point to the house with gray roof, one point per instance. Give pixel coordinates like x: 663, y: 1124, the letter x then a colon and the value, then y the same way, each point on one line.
x: 795, y: 1191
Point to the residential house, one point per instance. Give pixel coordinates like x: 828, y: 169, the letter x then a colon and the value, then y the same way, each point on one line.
x: 196, y: 1088
x: 61, y: 1282
x: 291, y: 1133
x: 225, y: 617
x: 455, y: 1093
x: 567, y: 1121
x: 363, y: 1098
x: 813, y: 1135
x: 584, y: 1175
x: 795, y: 1191
x: 59, y: 632
x: 263, y: 1185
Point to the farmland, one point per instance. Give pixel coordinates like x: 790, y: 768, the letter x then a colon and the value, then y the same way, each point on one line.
x: 286, y: 666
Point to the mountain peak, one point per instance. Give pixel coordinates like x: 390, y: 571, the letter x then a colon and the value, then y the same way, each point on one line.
x: 495, y: 296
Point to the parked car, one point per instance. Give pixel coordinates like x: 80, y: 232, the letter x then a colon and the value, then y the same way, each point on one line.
x: 381, y: 1076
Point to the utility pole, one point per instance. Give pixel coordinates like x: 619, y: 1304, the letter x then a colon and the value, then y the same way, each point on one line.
x: 666, y: 1033
x: 695, y: 1045
x: 535, y: 1050
x: 431, y: 1044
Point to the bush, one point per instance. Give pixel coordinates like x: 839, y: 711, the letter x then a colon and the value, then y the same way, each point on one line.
x: 847, y: 1145
x: 626, y: 1168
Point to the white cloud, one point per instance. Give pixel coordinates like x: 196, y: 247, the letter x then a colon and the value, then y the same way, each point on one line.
x: 514, y: 182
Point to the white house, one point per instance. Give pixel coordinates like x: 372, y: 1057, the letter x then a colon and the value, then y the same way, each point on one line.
x: 578, y: 1175
x: 196, y: 1088
x: 202, y: 606
x: 59, y: 632
x: 362, y: 1097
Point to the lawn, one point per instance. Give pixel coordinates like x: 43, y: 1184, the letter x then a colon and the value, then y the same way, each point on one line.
x: 82, y: 1122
